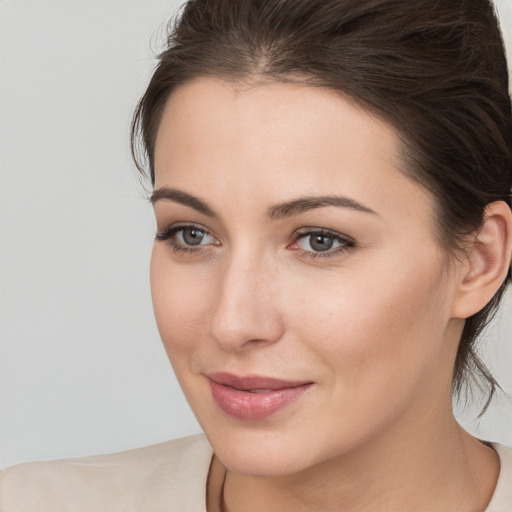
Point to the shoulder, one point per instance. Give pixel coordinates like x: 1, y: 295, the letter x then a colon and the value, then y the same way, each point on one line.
x: 502, y: 498
x: 168, y: 476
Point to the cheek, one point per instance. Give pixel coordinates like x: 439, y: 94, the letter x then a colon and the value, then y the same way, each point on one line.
x: 379, y: 330
x: 180, y: 303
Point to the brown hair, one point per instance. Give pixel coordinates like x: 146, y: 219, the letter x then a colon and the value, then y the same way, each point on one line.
x: 433, y: 69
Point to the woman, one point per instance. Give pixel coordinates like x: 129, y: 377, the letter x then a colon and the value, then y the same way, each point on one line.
x: 332, y: 186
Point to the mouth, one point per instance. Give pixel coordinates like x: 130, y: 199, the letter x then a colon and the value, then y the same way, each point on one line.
x: 253, y: 397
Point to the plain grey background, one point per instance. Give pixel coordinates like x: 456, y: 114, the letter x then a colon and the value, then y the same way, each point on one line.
x: 82, y: 367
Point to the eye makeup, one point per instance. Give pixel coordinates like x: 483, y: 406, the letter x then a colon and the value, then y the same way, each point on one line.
x: 316, y: 242
x: 309, y: 242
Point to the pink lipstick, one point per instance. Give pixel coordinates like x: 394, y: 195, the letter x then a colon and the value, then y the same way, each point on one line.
x: 253, y: 397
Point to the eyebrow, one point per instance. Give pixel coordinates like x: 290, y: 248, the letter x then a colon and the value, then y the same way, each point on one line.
x: 279, y: 211
x: 303, y: 204
x: 178, y: 196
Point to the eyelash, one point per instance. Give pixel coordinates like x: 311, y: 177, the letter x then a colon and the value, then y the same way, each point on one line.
x: 168, y: 235
x: 346, y: 243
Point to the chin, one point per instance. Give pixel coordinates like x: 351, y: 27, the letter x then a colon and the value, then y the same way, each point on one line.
x: 262, y: 460
x: 265, y: 452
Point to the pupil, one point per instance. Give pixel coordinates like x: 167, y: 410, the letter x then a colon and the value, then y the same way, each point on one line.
x: 321, y: 242
x: 192, y: 236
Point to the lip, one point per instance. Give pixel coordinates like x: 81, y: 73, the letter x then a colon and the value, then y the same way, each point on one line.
x: 253, y: 397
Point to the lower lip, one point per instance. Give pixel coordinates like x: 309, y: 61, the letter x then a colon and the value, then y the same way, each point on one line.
x: 246, y: 405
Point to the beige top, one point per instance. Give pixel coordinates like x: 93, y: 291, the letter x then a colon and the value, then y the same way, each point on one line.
x: 166, y: 477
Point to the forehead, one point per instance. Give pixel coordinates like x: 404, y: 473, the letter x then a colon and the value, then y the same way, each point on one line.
x: 206, y: 100
x: 277, y: 139
x: 210, y: 114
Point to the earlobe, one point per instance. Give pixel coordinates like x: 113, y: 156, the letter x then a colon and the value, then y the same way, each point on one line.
x: 488, y: 261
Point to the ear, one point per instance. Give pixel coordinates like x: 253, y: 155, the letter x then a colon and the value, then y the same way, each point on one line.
x: 487, y: 261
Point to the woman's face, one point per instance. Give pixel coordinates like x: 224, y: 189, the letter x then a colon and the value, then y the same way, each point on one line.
x: 298, y: 286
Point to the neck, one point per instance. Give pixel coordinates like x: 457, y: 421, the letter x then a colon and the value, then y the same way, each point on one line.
x: 440, y: 467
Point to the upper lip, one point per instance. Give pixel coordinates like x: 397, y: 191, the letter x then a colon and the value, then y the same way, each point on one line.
x: 252, y: 382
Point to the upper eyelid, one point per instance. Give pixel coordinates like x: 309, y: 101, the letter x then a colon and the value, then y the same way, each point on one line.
x: 324, y: 231
x: 168, y: 235
x: 296, y: 235
x: 176, y: 226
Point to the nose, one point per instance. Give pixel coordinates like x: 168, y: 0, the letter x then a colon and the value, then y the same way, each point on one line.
x: 246, y: 309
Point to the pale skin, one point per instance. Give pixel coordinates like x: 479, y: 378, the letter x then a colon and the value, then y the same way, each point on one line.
x: 373, y: 322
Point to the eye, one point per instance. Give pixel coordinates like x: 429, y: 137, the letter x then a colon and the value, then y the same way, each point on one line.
x: 186, y: 238
x: 193, y: 236
x: 321, y: 242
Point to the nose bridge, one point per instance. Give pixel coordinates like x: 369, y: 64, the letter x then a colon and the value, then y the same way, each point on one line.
x: 246, y: 309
